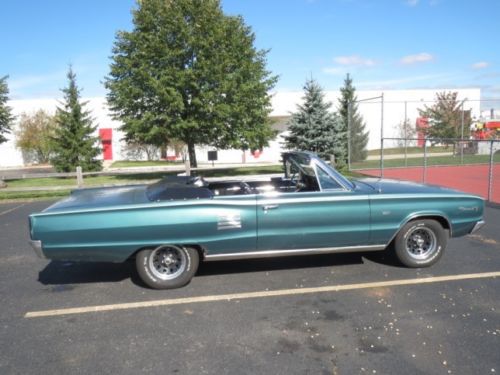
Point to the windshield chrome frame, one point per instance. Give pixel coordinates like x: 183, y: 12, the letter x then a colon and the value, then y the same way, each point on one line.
x: 315, y: 162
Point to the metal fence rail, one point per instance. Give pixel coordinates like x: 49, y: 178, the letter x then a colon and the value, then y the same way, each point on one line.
x: 478, y: 161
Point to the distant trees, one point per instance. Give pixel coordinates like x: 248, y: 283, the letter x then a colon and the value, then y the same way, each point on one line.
x: 35, y: 136
x: 189, y: 72
x: 6, y: 117
x: 445, y: 117
x: 358, y: 136
x: 404, y: 130
x: 313, y: 127
x: 74, y: 142
x: 136, y: 150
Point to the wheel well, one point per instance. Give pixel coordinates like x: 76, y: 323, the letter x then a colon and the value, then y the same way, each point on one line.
x: 440, y: 219
x: 199, y: 249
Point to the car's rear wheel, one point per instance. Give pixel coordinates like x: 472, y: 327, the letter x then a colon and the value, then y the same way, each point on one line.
x: 420, y: 243
x: 167, y: 266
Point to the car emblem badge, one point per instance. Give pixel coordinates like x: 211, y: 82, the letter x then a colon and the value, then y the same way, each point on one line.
x: 229, y: 221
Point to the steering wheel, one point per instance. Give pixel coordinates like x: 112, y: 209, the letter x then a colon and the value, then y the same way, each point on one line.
x: 296, y: 179
x: 247, y: 189
x: 198, y: 181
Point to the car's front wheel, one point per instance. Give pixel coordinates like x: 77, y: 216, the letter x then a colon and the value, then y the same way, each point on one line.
x: 420, y: 243
x: 167, y: 266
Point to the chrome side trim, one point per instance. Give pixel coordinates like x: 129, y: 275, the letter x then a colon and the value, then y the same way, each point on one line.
x: 37, y: 247
x: 282, y: 253
x: 249, y: 202
x: 478, y: 226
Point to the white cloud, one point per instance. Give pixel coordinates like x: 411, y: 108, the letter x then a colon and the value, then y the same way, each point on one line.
x: 412, y: 3
x: 398, y: 81
x: 353, y: 60
x: 28, y: 81
x: 417, y: 58
x: 334, y: 70
x: 480, y: 65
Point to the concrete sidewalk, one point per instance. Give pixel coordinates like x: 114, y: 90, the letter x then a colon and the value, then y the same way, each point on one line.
x: 47, y: 171
x: 409, y: 156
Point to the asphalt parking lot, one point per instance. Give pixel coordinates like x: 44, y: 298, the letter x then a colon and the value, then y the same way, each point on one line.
x: 333, y: 314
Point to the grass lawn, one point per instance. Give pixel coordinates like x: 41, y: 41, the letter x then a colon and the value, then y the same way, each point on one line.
x: 124, y: 179
x: 88, y: 181
x: 23, y: 195
x: 137, y: 177
x: 410, y: 150
x: 435, y: 160
x: 142, y: 163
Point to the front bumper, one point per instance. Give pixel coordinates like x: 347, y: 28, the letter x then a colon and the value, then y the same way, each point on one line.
x: 478, y: 226
x: 37, y: 247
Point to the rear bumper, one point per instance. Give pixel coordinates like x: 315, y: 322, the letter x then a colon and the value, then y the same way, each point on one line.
x: 37, y: 247
x: 478, y: 226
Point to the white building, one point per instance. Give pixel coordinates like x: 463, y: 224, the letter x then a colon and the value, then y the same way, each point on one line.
x: 396, y: 104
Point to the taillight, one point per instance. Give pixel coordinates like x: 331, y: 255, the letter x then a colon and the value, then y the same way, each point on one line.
x: 30, y: 226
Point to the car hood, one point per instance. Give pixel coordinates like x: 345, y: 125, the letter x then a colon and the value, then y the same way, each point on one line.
x: 387, y: 186
x: 101, y: 197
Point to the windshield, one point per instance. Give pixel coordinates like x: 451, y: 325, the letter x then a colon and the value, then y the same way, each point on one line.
x: 336, y: 175
x: 327, y: 176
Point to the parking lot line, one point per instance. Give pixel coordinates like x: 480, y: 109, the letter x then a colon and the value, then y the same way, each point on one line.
x: 260, y: 294
x: 12, y: 209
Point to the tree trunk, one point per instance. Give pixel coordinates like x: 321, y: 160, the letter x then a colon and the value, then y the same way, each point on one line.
x: 192, y: 155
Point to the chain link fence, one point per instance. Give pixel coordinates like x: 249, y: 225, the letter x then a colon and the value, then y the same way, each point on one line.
x: 400, y: 144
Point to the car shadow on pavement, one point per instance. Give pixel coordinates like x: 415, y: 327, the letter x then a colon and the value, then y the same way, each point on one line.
x: 60, y: 273
x: 386, y: 257
x: 279, y: 263
x: 64, y: 273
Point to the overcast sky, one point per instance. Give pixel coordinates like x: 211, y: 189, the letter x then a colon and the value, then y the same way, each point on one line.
x: 384, y: 44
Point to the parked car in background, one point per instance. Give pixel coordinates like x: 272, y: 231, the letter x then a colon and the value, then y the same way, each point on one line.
x: 170, y: 226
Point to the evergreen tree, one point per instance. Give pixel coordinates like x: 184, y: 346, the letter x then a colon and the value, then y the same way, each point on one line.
x: 6, y: 117
x: 74, y: 142
x: 314, y: 128
x: 358, y: 135
x: 188, y: 72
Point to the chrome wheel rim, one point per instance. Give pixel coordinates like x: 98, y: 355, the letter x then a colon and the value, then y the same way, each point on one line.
x: 167, y: 262
x: 421, y: 242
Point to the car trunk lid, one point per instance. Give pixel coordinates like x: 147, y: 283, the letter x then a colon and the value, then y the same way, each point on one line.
x: 101, y: 197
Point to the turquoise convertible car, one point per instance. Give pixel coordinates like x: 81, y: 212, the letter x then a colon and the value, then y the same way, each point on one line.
x: 170, y: 226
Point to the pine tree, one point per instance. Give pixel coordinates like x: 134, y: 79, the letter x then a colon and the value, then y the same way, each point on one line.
x: 314, y: 128
x: 74, y: 142
x: 6, y: 117
x: 358, y: 135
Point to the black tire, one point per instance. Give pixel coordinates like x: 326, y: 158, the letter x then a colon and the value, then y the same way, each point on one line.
x: 420, y: 243
x: 167, y: 266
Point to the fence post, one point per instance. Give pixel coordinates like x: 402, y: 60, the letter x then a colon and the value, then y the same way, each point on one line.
x: 462, y: 136
x: 490, y: 174
x: 425, y: 161
x: 349, y: 109
x: 382, y: 136
x: 405, y: 124
x: 187, y: 165
x: 79, y: 177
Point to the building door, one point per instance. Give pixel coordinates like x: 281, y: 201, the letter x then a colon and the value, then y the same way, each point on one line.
x: 106, y: 135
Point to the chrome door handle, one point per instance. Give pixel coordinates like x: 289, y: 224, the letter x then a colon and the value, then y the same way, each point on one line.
x: 269, y: 207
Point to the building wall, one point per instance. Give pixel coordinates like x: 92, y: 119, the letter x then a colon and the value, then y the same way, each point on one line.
x: 283, y: 103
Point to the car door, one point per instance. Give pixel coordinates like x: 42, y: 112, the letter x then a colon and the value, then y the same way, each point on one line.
x: 332, y: 217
